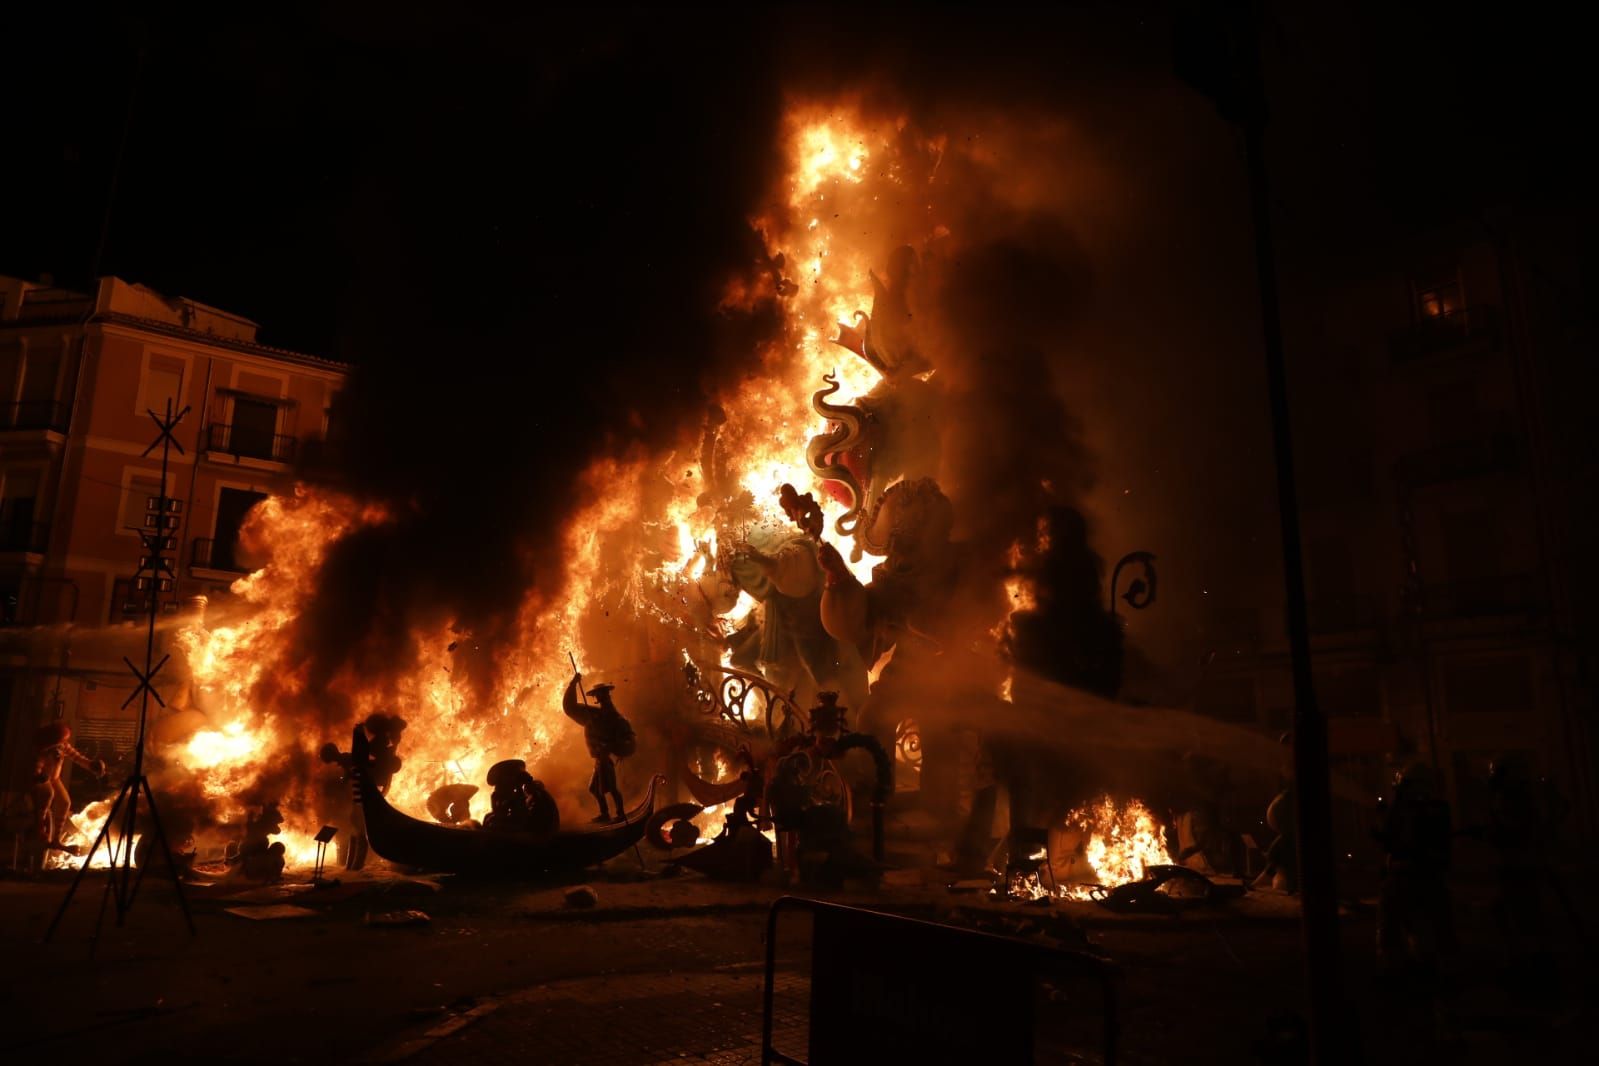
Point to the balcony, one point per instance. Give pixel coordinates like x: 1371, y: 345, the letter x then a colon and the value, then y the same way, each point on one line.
x: 1470, y: 330
x: 1493, y: 453
x: 47, y: 415
x: 31, y: 538
x: 248, y: 442
x: 207, y: 554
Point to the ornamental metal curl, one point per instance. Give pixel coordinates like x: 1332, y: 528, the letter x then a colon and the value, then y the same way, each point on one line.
x: 1141, y: 593
x: 908, y: 743
x: 743, y: 699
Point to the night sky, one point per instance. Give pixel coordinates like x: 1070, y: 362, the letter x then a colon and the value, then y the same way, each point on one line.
x: 517, y: 225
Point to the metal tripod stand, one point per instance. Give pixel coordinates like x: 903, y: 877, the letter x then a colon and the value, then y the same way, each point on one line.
x: 154, y: 578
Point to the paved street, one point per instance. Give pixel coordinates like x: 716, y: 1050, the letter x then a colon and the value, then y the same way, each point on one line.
x: 659, y: 971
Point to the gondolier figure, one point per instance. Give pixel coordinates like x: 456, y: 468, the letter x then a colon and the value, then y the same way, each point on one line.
x: 608, y: 735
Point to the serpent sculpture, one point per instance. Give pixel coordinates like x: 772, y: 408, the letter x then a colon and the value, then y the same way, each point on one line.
x: 826, y: 451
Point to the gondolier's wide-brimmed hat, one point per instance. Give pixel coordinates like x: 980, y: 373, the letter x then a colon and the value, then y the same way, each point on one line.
x: 601, y: 689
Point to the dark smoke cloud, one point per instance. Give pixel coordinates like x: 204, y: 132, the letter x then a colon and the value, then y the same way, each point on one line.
x: 545, y: 243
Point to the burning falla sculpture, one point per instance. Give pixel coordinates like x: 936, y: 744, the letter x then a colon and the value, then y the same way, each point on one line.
x: 909, y: 588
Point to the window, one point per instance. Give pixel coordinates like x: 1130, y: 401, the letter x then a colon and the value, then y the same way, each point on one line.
x: 10, y: 364
x: 163, y: 383
x: 1438, y: 297
x: 39, y: 377
x: 255, y: 424
x: 135, y: 500
x: 232, y: 507
x: 18, y: 506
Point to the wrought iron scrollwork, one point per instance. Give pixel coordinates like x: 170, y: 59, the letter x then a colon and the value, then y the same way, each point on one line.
x: 747, y: 701
x: 1141, y: 592
x: 908, y: 743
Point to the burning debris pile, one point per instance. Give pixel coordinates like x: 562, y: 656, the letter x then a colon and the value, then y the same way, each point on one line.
x: 867, y: 506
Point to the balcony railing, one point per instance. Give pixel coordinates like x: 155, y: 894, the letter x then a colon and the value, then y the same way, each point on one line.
x: 32, y: 537
x: 1470, y: 327
x: 209, y: 555
x: 34, y: 414
x: 245, y: 443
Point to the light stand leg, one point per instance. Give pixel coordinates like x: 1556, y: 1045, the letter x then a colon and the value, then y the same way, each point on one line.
x: 166, y: 851
x: 105, y: 829
x: 124, y: 880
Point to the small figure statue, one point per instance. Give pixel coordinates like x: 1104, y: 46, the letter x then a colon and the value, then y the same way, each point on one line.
x: 803, y: 511
x: 748, y: 808
x: 261, y: 859
x: 520, y: 803
x: 52, y: 803
x: 808, y: 779
x: 609, y: 737
x: 452, y: 804
x: 1526, y: 813
x: 385, y: 730
x: 1414, y: 921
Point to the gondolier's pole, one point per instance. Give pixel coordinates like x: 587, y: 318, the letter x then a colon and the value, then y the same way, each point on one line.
x: 584, y: 696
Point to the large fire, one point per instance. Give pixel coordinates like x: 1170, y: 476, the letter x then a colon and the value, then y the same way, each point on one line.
x: 256, y: 719
x: 256, y: 705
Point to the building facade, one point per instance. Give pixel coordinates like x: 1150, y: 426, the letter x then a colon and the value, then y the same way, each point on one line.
x: 80, y: 374
x: 1437, y: 548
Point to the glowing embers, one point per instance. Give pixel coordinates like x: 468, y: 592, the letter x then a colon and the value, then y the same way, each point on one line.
x: 1028, y: 875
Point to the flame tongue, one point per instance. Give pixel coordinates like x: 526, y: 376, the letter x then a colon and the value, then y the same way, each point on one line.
x: 1120, y: 843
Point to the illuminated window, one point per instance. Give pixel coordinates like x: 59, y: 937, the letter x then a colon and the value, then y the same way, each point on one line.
x: 1439, y: 298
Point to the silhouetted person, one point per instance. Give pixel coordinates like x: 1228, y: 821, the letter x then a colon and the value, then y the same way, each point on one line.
x: 1415, y: 924
x: 52, y: 803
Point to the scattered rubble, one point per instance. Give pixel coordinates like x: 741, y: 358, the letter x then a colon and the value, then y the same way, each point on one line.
x: 395, y: 919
